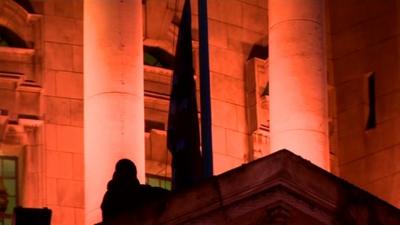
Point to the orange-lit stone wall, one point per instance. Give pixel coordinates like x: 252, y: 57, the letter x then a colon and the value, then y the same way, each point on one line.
x: 362, y: 39
x: 365, y: 40
x: 63, y: 105
x: 235, y: 27
x: 113, y: 95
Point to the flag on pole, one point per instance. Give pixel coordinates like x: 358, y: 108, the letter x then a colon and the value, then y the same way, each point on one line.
x: 183, y: 138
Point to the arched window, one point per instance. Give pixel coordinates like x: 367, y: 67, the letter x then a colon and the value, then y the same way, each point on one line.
x: 11, y: 39
x: 155, y: 56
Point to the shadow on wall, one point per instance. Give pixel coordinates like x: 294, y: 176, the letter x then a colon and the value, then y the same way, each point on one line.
x: 26, y: 4
x: 10, y: 39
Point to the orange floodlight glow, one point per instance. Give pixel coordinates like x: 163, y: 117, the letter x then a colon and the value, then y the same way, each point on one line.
x: 297, y: 71
x: 113, y: 95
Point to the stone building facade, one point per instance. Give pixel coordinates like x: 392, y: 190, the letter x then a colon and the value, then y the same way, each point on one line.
x: 42, y: 92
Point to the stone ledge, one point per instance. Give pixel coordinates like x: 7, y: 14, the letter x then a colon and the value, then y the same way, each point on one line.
x: 281, y: 186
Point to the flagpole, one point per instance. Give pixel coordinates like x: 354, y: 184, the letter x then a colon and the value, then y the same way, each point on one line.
x: 205, y: 102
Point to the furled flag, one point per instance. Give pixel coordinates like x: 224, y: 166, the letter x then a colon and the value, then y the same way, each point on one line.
x: 183, y: 129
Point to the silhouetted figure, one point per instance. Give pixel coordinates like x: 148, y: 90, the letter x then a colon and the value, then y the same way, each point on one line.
x: 125, y: 194
x: 121, y: 190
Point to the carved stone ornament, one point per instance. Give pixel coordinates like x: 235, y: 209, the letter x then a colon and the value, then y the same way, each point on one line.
x: 279, y: 215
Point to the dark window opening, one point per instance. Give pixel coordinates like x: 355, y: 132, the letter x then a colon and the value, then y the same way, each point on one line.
x: 155, y: 56
x: 151, y: 60
x: 3, y: 112
x: 10, y: 39
x: 258, y: 51
x: 158, y: 181
x: 9, y: 183
x: 3, y: 42
x: 28, y: 116
x: 371, y: 121
x: 149, y: 125
x: 26, y: 4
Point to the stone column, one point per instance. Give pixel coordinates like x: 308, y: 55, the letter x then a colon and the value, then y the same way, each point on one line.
x: 298, y: 79
x: 113, y: 94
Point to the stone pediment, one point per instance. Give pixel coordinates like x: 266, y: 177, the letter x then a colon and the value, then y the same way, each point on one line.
x: 281, y: 188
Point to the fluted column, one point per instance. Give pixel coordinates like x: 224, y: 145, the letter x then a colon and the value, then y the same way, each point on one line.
x: 113, y: 94
x: 298, y: 83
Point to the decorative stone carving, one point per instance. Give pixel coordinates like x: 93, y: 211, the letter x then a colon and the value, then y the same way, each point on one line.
x: 257, y: 98
x: 23, y: 97
x: 278, y: 216
x: 22, y: 138
x: 158, y: 158
x: 20, y: 130
x: 157, y: 86
x: 27, y: 61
